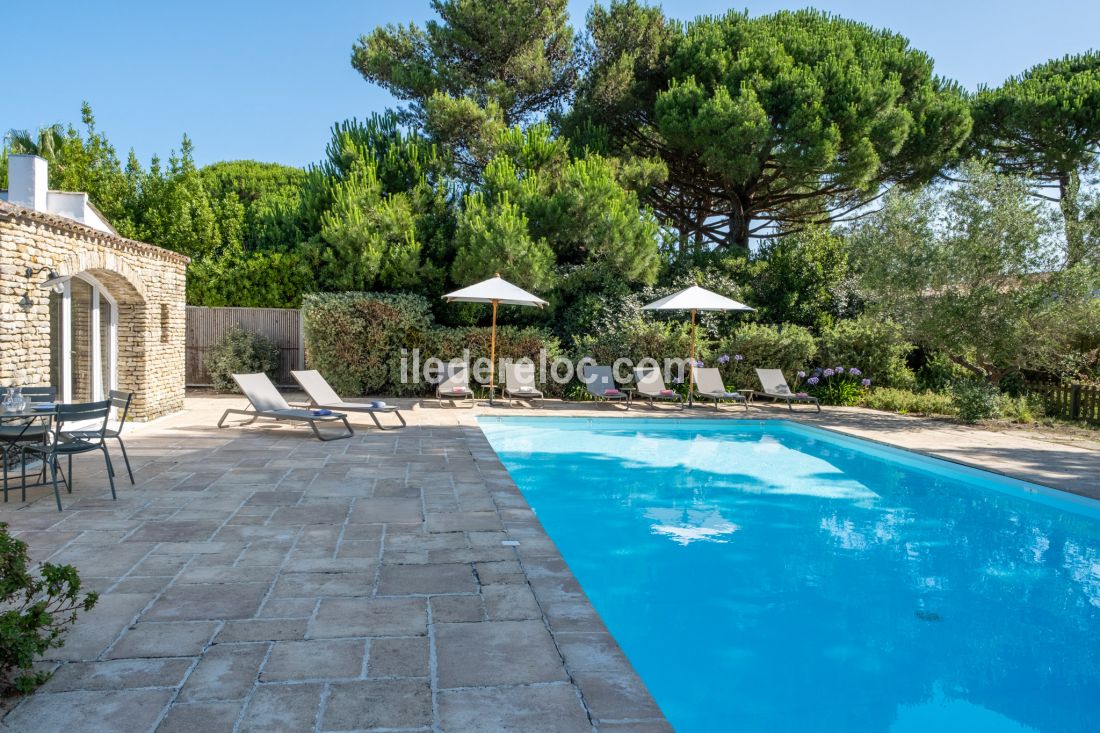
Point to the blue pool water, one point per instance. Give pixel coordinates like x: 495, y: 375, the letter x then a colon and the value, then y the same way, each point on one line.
x: 766, y: 576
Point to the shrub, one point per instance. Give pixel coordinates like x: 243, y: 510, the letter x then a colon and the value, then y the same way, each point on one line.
x: 1023, y: 409
x: 836, y: 386
x: 938, y: 373
x: 877, y: 346
x: 355, y: 339
x: 908, y: 402
x: 788, y: 347
x: 975, y: 400
x: 639, y: 339
x: 512, y: 344
x: 240, y: 352
x: 38, y: 609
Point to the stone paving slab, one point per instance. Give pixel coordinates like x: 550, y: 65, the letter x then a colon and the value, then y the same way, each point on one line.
x: 256, y: 579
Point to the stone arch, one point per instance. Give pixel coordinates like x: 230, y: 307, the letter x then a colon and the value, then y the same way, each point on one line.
x: 111, y: 269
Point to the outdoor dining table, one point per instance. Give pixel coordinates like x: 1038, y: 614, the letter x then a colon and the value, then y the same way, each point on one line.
x: 31, y: 412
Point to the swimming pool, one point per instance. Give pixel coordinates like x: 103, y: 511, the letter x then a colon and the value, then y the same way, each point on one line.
x: 763, y: 575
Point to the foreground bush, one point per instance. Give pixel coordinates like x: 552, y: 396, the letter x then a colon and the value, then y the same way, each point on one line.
x: 907, y: 402
x: 975, y: 400
x: 639, y: 339
x: 240, y: 352
x: 355, y: 339
x: 37, y: 611
x: 842, y: 386
x: 877, y: 346
x: 789, y: 348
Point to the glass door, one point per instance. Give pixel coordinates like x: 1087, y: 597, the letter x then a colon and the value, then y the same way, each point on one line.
x: 83, y: 343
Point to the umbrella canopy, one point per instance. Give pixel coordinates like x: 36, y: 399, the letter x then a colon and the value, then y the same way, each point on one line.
x: 695, y: 299
x: 495, y: 290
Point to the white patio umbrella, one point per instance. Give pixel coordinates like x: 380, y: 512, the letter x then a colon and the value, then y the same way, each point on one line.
x: 495, y: 290
x: 695, y: 299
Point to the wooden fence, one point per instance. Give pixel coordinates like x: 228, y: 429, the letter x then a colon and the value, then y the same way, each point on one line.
x: 206, y: 326
x: 1072, y: 401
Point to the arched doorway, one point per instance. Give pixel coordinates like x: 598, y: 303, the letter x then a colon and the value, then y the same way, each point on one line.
x: 83, y: 340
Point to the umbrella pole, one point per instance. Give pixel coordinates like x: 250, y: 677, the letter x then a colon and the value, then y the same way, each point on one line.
x: 493, y: 352
x: 691, y: 367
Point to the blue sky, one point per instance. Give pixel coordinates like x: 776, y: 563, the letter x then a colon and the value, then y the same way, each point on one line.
x: 267, y: 80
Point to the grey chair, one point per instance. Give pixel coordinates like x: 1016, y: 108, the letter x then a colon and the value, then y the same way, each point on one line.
x: 39, y: 394
x: 31, y: 429
x: 58, y: 445
x: 600, y: 383
x: 120, y: 401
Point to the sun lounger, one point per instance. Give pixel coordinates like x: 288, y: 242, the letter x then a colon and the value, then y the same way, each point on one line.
x: 709, y: 386
x: 775, y: 386
x: 455, y: 385
x: 321, y: 394
x: 519, y: 383
x: 600, y: 383
x: 267, y: 402
x: 651, y: 386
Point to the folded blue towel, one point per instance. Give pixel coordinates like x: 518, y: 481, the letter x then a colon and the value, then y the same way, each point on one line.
x: 322, y: 413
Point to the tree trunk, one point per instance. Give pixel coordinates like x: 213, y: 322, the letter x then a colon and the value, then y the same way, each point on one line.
x: 1069, y: 184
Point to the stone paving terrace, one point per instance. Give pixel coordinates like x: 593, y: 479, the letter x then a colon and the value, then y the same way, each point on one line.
x: 257, y: 579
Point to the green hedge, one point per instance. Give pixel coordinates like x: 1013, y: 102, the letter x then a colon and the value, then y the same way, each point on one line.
x: 877, y: 347
x: 790, y: 348
x: 355, y: 339
x: 358, y: 340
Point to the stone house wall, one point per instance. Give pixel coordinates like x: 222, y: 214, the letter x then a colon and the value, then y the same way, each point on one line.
x: 147, y: 282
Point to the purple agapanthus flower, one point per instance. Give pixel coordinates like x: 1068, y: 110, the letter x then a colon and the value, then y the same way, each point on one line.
x: 724, y: 359
x: 838, y: 370
x: 812, y: 380
x: 854, y: 372
x: 829, y: 372
x: 866, y: 382
x: 699, y: 363
x: 738, y: 357
x: 802, y: 375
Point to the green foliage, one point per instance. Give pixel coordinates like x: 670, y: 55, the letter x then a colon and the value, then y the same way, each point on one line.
x: 908, y: 402
x: 877, y: 346
x: 958, y: 268
x: 975, y: 400
x: 638, y: 339
x: 358, y: 341
x: 259, y: 279
x: 791, y: 117
x: 835, y: 387
x: 240, y: 352
x: 512, y: 344
x: 355, y: 339
x: 1023, y: 409
x: 484, y: 66
x: 798, y: 278
x: 1045, y: 125
x: 37, y: 609
x: 788, y: 347
x: 494, y: 238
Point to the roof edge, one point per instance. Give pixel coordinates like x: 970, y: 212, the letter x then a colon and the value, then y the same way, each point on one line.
x: 12, y: 211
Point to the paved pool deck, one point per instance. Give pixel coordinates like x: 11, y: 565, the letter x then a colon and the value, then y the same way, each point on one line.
x: 256, y: 579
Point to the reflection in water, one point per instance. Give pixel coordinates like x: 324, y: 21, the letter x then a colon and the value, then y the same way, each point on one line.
x: 811, y: 586
x: 690, y: 525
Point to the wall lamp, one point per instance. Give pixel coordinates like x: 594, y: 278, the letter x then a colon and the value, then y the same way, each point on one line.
x: 52, y: 282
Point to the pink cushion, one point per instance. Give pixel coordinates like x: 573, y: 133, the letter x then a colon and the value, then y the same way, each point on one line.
x: 668, y: 392
x: 802, y: 394
x: 458, y: 390
x: 611, y: 392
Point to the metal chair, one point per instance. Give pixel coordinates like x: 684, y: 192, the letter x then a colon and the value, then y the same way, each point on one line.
x: 39, y: 394
x: 28, y: 430
x: 59, y: 445
x: 120, y: 401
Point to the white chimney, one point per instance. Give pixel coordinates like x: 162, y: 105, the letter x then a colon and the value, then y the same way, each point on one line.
x: 28, y: 181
